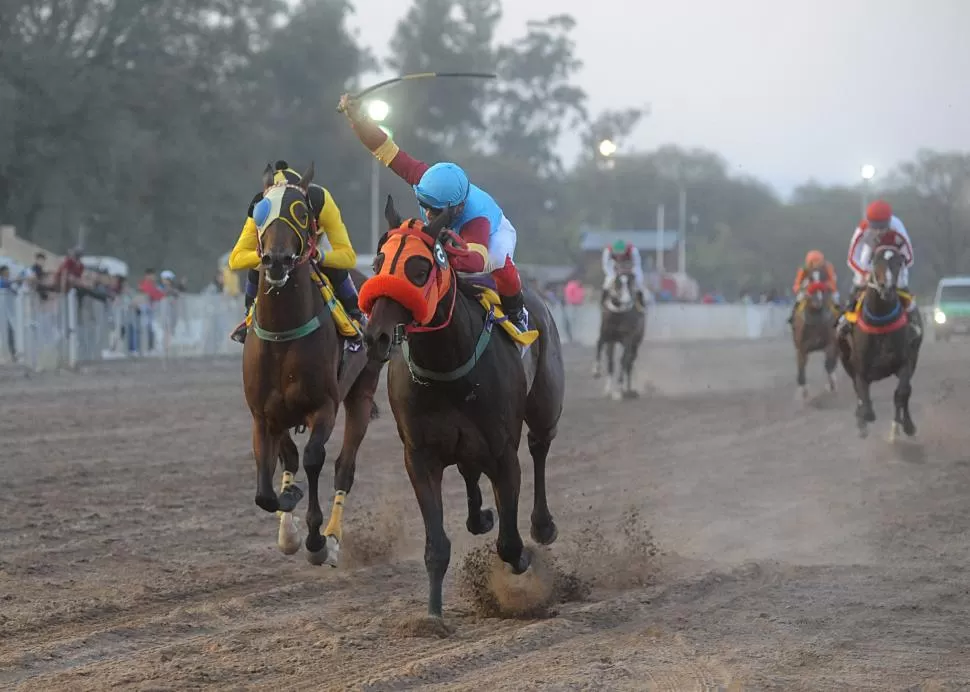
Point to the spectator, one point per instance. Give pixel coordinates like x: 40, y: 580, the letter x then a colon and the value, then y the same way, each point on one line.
x: 169, y: 284
x: 7, y: 309
x: 150, y: 287
x: 151, y: 293
x: 69, y: 274
x: 217, y: 286
x: 36, y: 276
x: 574, y: 296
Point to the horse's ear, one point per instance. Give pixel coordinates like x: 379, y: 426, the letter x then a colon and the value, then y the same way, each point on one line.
x: 268, y: 175
x: 307, y: 178
x: 394, y: 219
x: 440, y: 222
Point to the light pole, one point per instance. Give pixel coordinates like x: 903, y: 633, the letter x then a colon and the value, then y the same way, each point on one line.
x: 868, y: 173
x: 378, y: 111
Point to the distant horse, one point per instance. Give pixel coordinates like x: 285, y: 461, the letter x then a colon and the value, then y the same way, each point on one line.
x: 813, y: 329
x: 460, y: 392
x: 622, y: 321
x: 290, y: 377
x: 884, y: 340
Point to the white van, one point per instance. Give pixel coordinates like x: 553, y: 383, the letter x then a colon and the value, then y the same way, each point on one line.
x: 951, y: 309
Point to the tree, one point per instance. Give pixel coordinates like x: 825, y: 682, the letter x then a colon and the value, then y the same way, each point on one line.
x: 443, y: 35
x: 535, y: 100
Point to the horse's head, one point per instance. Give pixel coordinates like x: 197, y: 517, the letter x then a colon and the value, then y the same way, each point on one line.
x: 817, y: 290
x: 887, y: 263
x: 621, y: 292
x: 285, y: 227
x: 412, y: 277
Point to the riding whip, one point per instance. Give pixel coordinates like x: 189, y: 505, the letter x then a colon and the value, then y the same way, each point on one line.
x: 419, y: 75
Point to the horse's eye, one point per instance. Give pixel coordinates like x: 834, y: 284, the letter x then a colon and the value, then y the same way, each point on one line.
x: 378, y: 262
x: 418, y: 270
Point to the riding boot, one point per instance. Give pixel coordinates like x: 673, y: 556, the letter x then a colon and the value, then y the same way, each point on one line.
x: 605, y: 295
x: 252, y: 287
x: 843, y: 324
x: 641, y: 299
x: 516, y: 311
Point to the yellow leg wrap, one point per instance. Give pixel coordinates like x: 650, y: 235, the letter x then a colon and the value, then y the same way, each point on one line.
x: 336, y: 516
x: 249, y: 315
x: 288, y: 480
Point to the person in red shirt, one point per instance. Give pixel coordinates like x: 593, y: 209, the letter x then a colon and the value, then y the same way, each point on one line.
x: 149, y: 286
x: 69, y: 274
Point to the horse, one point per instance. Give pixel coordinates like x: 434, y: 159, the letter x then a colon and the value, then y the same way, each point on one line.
x: 458, y: 392
x: 622, y: 321
x: 884, y: 340
x: 290, y: 378
x: 813, y: 329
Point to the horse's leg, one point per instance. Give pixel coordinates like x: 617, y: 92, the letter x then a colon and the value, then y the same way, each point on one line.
x: 543, y: 529
x: 505, y: 485
x: 831, y: 361
x: 425, y: 474
x: 479, y: 521
x: 314, y: 454
x: 358, y: 406
x: 266, y: 450
x: 610, y: 366
x: 598, y: 363
x: 904, y: 388
x: 288, y: 537
x: 801, y: 362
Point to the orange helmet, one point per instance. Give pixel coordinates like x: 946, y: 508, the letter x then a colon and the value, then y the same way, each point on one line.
x: 814, y: 258
x: 879, y: 214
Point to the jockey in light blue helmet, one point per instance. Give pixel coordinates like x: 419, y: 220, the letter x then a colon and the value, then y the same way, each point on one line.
x: 486, y: 236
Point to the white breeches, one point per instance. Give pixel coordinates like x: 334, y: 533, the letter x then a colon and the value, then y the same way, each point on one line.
x: 501, y: 244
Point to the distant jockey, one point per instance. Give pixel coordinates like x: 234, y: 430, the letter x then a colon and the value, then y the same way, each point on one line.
x: 814, y: 261
x: 622, y: 253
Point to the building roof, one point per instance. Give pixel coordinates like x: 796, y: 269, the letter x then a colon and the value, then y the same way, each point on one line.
x: 595, y: 239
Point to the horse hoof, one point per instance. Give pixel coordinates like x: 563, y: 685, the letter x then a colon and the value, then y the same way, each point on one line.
x: 909, y: 427
x: 288, y: 537
x: 863, y: 432
x: 289, y: 498
x: 631, y: 394
x: 596, y: 370
x: 893, y: 432
x: 523, y: 564
x: 486, y: 522
x: 870, y: 416
x: 544, y: 535
x: 270, y: 503
x: 332, y: 551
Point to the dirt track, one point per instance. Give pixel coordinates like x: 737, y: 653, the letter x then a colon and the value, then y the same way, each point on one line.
x: 793, y: 554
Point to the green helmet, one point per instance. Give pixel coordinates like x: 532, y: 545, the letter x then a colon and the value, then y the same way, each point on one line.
x: 619, y: 246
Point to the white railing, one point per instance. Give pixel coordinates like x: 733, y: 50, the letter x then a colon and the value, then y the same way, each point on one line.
x: 66, y: 330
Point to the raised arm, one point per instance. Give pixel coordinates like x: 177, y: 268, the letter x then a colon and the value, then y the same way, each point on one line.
x: 380, y: 145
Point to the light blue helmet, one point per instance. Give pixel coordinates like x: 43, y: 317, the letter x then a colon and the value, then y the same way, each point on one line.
x: 443, y: 185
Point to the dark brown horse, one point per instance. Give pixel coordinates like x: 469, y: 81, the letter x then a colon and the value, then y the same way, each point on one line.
x: 290, y: 376
x: 813, y: 329
x: 460, y: 391
x: 884, y: 341
x: 623, y: 322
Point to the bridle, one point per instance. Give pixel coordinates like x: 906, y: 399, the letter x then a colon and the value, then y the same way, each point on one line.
x: 306, y: 234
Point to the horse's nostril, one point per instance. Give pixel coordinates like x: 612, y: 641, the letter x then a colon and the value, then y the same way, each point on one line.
x: 266, y: 260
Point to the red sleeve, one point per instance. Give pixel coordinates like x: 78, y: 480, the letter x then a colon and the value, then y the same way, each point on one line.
x: 404, y: 165
x: 408, y: 168
x: 476, y: 231
x: 151, y: 290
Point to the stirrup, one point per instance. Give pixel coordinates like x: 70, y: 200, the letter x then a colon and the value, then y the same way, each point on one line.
x: 239, y: 333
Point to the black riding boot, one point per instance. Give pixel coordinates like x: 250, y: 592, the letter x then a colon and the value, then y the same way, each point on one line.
x: 516, y: 311
x: 252, y: 287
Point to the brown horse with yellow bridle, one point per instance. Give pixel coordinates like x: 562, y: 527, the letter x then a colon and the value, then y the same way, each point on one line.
x: 296, y: 373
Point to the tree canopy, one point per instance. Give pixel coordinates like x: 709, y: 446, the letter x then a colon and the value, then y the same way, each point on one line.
x: 146, y: 126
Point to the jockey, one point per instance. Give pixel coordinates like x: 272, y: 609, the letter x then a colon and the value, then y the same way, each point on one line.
x: 334, y: 259
x: 813, y: 260
x: 880, y: 227
x: 485, y: 240
x: 622, y: 251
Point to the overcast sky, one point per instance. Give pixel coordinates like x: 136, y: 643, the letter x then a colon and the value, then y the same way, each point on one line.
x: 785, y: 90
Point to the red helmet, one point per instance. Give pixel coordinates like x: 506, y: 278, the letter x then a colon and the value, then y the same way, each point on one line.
x: 879, y: 213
